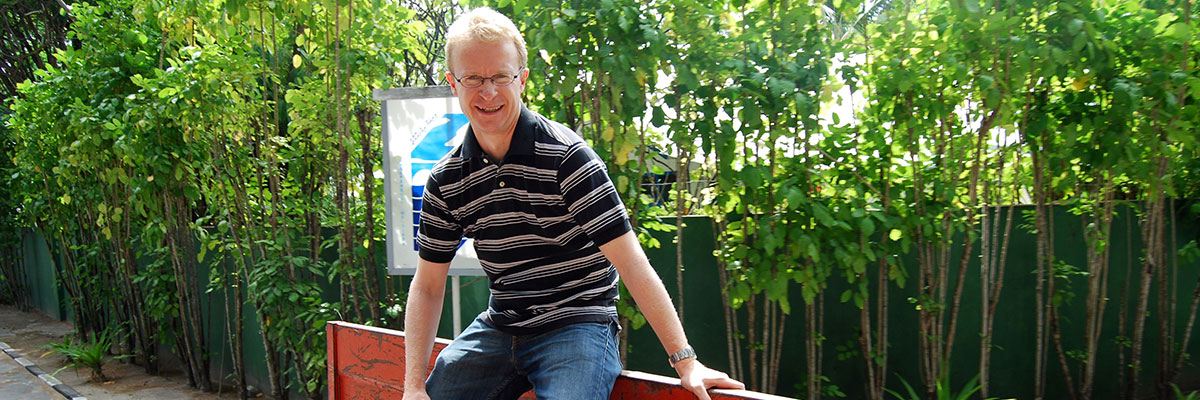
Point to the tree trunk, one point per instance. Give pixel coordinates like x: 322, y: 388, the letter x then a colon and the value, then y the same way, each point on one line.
x: 732, y: 342
x: 179, y: 244
x: 752, y: 316
x: 1043, y: 239
x: 1167, y: 371
x: 1123, y: 313
x: 811, y: 350
x: 253, y: 241
x: 371, y: 273
x: 1152, y: 231
x: 1098, y: 253
x: 874, y: 349
x: 681, y: 179
x: 968, y: 247
x: 233, y: 284
x: 342, y: 196
x: 1166, y: 346
x: 778, y: 346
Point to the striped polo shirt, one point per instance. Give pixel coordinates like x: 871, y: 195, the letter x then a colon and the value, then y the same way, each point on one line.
x: 538, y: 218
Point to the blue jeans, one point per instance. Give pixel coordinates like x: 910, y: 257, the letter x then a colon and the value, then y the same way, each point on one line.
x: 578, y: 361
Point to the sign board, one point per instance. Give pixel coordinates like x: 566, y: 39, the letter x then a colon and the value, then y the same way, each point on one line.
x: 420, y: 125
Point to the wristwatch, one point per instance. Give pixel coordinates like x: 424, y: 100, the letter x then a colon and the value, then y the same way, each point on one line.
x: 685, y: 353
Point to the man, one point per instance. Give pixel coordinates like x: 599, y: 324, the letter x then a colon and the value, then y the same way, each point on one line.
x: 552, y: 235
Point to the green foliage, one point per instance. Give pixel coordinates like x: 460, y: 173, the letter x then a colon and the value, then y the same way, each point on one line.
x: 86, y: 354
x: 1190, y: 252
x: 829, y: 155
x: 830, y: 139
x: 828, y: 389
x: 170, y: 117
x: 1180, y: 395
x: 943, y: 392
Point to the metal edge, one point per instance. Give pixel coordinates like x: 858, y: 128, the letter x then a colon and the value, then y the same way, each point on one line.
x: 403, y: 93
x: 387, y: 186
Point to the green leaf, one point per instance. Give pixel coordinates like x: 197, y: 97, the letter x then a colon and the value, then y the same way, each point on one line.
x: 859, y: 264
x: 780, y: 88
x: 1180, y: 31
x: 638, y: 321
x: 659, y: 118
x: 1074, y: 26
x: 823, y: 216
x: 191, y: 193
x: 741, y: 290
x: 752, y: 176
x: 867, y: 226
x: 561, y: 30
x: 1163, y: 21
x: 897, y: 275
x: 777, y: 288
x: 972, y: 6
x: 795, y: 197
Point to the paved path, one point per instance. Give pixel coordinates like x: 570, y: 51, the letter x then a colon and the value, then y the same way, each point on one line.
x: 29, y: 332
x: 17, y: 383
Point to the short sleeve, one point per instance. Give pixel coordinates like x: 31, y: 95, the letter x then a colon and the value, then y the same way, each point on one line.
x: 590, y: 196
x: 440, y: 233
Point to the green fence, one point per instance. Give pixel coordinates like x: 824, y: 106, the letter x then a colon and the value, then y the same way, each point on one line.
x: 1012, y: 366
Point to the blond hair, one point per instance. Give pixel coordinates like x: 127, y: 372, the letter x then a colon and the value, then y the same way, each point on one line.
x: 485, y: 25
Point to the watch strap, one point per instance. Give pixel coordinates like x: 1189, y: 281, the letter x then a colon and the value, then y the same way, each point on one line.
x: 685, y: 353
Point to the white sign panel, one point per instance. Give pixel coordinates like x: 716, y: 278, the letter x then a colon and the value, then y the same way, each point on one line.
x: 420, y: 125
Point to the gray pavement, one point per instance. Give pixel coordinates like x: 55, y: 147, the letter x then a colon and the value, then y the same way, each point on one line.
x: 16, y: 383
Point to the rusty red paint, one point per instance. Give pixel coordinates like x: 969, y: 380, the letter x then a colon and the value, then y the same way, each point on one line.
x: 366, y: 362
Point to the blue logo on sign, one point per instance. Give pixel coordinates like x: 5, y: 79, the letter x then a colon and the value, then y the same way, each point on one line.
x: 438, y: 142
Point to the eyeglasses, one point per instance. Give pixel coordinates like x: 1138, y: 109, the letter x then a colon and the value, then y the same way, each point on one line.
x: 474, y: 81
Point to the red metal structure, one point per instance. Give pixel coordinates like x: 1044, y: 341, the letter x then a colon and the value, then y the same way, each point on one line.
x: 366, y: 362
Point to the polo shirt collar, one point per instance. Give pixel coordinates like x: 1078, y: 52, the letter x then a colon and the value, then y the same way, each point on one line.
x: 522, y: 138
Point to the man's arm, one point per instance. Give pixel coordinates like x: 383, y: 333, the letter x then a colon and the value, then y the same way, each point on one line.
x: 651, y: 296
x: 421, y: 316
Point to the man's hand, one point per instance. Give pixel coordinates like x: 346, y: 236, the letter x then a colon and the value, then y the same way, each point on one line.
x: 416, y: 394
x: 697, y: 378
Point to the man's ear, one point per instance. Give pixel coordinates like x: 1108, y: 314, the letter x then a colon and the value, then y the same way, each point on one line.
x: 524, y: 76
x: 453, y: 86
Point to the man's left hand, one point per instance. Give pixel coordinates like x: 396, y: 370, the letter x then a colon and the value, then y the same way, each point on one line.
x: 697, y: 378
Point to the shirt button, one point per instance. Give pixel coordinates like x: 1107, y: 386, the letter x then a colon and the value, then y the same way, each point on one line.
x: 485, y: 160
x: 501, y: 183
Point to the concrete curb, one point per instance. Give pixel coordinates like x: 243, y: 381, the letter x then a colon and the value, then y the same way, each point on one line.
x: 62, y: 388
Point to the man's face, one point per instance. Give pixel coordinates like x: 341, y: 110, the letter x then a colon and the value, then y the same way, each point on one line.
x: 492, y: 110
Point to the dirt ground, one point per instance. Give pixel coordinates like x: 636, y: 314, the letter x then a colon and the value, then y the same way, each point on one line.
x: 29, y: 332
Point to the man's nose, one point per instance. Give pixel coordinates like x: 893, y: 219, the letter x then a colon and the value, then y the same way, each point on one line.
x: 488, y: 90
